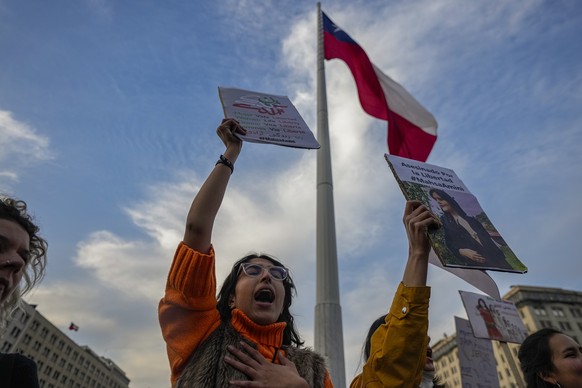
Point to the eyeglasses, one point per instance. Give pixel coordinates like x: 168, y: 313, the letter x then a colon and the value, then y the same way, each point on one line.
x: 253, y: 270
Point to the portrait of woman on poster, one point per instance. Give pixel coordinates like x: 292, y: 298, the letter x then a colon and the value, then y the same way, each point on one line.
x: 489, y: 319
x: 466, y: 237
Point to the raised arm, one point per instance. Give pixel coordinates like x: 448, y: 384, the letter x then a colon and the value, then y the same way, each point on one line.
x: 396, y: 343
x: 205, y: 205
x: 417, y: 220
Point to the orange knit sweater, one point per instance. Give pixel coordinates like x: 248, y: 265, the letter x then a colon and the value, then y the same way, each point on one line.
x: 188, y: 313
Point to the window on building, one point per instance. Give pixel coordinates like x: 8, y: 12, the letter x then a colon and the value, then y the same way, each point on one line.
x: 56, y: 374
x: 15, y: 331
x: 565, y: 326
x: 53, y: 339
x: 62, y: 362
x: 43, y: 332
x: 6, y: 347
x: 54, y: 357
x: 67, y: 350
x: 540, y: 311
x: 34, y: 325
x: 46, y: 351
x: 26, y: 339
x: 61, y: 345
x: 48, y: 370
x: 576, y: 312
x: 24, y: 317
x: 36, y: 345
x: 557, y: 311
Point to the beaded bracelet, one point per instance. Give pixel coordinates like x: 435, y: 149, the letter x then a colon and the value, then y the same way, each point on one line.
x: 226, y: 162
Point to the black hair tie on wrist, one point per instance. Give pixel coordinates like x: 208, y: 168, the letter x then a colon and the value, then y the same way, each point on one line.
x: 226, y: 162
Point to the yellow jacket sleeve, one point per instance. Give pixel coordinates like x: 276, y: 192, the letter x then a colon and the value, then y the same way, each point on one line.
x: 398, y: 347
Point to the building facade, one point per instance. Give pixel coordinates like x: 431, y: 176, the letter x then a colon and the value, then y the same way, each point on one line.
x: 61, y: 362
x: 538, y: 307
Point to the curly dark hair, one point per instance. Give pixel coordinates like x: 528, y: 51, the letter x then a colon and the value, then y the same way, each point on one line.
x: 535, y: 357
x: 15, y: 210
x: 290, y: 334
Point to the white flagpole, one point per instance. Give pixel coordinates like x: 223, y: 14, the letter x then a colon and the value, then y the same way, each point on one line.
x: 328, y: 315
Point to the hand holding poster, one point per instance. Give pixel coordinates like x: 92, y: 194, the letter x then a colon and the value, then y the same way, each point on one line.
x: 467, y: 238
x: 492, y: 319
x: 267, y: 118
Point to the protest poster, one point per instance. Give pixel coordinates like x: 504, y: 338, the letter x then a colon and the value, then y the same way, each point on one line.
x: 268, y: 118
x: 476, y: 358
x: 493, y: 319
x: 467, y: 238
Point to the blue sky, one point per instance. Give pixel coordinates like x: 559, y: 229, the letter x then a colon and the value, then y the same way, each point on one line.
x: 108, y: 113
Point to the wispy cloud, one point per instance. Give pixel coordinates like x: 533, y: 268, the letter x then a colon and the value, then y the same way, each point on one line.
x: 20, y: 147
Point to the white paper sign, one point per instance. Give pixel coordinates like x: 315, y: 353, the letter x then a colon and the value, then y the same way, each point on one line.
x: 493, y: 319
x: 476, y: 358
x: 268, y: 118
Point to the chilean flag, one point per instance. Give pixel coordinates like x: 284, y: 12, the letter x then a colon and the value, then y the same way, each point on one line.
x: 411, y: 128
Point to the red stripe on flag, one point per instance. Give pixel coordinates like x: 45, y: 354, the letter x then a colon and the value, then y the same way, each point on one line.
x: 369, y: 89
x: 411, y: 128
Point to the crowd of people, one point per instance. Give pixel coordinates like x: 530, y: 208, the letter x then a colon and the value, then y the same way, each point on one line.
x: 245, y: 335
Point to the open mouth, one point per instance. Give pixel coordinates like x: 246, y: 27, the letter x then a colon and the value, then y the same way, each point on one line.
x: 265, y: 295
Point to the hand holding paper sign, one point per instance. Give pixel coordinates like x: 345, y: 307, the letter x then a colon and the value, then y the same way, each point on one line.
x: 227, y: 131
x: 397, y: 341
x: 417, y: 220
x: 268, y: 118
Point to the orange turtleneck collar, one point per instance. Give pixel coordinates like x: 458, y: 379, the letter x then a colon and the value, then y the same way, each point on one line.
x: 265, y: 335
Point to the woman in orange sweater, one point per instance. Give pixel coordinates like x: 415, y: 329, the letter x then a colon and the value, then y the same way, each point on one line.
x: 208, y: 337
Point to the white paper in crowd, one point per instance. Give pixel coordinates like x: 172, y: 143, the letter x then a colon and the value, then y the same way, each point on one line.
x: 268, y: 118
x: 476, y: 358
x: 493, y: 319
